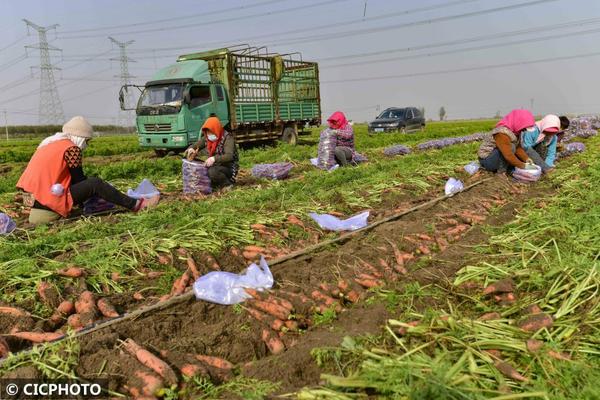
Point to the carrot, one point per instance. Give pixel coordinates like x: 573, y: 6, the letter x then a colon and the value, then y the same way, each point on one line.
x: 255, y: 249
x: 494, y: 353
x: 190, y: 370
x: 451, y: 221
x: 533, y: 309
x: 193, y: 268
x: 272, y: 309
x: 561, y: 356
x: 489, y: 316
x: 138, y: 296
x: 234, y: 251
x: 154, y: 274
x: 367, y: 276
x: 106, y: 308
x: 180, y: 284
x: 215, y: 362
x: 38, y: 337
x: 260, y: 228
x: 4, y: 349
x: 298, y: 296
x: 509, y: 371
x: 424, y: 249
x: 399, y: 266
x: 85, y: 303
x: 181, y: 251
x: 442, y: 243
x: 250, y: 255
x: 457, y: 230
x: 371, y: 269
x: 212, y: 263
x: 333, y: 291
x: 367, y: 283
x: 148, y: 382
x: 165, y: 259
x: 292, y: 219
x: 534, y: 345
x: 318, y: 296
x: 505, y: 298
x: 150, y: 360
x: 115, y: 276
x: 411, y: 239
x: 535, y: 322
x: 423, y: 236
x: 71, y: 272
x: 14, y: 311
x: 44, y: 291
x: 274, y: 344
x: 505, y: 285
x: 74, y: 321
x: 65, y: 308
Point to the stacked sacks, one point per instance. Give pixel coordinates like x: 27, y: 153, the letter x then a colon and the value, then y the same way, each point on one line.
x: 582, y: 127
x: 272, y: 171
x: 572, y: 148
x: 195, y: 178
x: 445, y: 142
x: 326, y: 151
x: 396, y: 150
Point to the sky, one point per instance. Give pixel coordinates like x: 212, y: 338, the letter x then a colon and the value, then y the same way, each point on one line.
x: 475, y: 58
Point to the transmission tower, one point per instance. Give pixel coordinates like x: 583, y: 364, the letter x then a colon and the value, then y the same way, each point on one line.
x: 125, y: 118
x: 51, y: 110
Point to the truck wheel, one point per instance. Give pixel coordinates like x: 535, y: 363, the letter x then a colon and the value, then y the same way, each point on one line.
x: 402, y: 130
x: 161, y: 153
x: 290, y: 135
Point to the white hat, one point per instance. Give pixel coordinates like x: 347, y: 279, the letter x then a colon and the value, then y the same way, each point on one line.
x: 78, y: 126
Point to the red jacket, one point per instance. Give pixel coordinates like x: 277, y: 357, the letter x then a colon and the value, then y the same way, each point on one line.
x: 47, y: 167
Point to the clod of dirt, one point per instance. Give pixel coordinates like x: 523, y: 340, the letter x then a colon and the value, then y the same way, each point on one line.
x: 490, y: 316
x: 533, y: 345
x: 509, y: 371
x: 505, y: 285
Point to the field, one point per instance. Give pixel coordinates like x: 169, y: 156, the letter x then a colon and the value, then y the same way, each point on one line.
x: 491, y: 293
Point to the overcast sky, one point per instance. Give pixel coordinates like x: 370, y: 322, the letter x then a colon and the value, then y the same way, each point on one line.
x: 474, y: 57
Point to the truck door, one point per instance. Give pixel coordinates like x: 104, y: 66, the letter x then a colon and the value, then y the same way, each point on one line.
x: 221, y: 104
x: 201, y: 105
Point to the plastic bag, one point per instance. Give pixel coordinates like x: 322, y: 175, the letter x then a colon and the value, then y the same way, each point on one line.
x: 273, y: 171
x: 332, y: 223
x: 527, y: 175
x: 472, y: 167
x: 326, y: 150
x: 453, y: 186
x: 572, y: 148
x: 315, y: 162
x: 7, y: 225
x: 144, y: 190
x: 396, y: 150
x: 95, y: 205
x: 228, y: 288
x: 195, y: 178
x: 358, y: 158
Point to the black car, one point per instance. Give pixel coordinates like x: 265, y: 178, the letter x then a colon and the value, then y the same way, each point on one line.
x: 398, y: 120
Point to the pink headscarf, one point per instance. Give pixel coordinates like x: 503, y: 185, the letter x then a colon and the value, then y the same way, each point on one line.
x: 549, y: 124
x: 337, y: 120
x: 517, y: 120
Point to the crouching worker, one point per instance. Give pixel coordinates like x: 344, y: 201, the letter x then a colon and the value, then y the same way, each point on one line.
x: 540, y: 142
x: 345, y: 152
x: 219, y: 147
x: 501, y: 151
x: 54, y: 176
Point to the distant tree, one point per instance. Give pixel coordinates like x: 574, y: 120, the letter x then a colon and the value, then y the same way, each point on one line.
x: 498, y: 115
x: 442, y: 113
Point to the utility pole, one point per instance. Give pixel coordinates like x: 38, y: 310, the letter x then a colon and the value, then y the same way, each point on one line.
x: 51, y: 110
x: 6, y: 123
x: 125, y: 118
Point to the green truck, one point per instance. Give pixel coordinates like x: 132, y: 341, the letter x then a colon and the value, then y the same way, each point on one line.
x: 258, y: 96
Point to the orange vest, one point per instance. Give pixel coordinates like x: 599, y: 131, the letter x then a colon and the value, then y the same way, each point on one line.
x: 47, y: 167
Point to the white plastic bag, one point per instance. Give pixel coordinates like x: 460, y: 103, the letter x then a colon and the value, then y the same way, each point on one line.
x: 227, y: 288
x: 332, y: 223
x: 144, y: 190
x: 528, y: 175
x: 472, y: 167
x: 453, y: 186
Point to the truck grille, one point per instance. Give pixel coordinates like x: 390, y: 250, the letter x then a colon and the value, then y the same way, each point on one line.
x: 157, y: 127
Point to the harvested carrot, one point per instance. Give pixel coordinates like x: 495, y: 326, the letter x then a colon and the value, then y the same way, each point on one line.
x: 106, y: 308
x: 85, y: 303
x: 367, y: 276
x: 193, y: 268
x: 371, y: 269
x: 398, y: 255
x: 274, y: 344
x: 505, y: 298
x: 320, y: 297
x: 74, y: 321
x: 333, y: 291
x: 181, y: 251
x: 212, y: 263
x: 148, y: 383
x: 234, y: 251
x: 423, y: 250
x: 251, y: 255
x: 38, y: 337
x: 44, y: 290
x: 367, y: 283
x: 423, y: 236
x: 252, y: 248
x: 180, y: 284
x: 509, y: 371
x: 292, y: 219
x: 535, y: 322
x: 64, y: 309
x: 411, y: 239
x: 259, y: 227
x: 14, y: 311
x: 505, y: 285
x: 561, y: 356
x: 457, y: 230
x: 138, y: 296
x: 533, y: 309
x: 115, y: 276
x: 150, y: 360
x: 489, y: 316
x: 534, y: 345
x: 191, y: 370
x: 272, y: 309
x: 164, y: 259
x: 154, y: 274
x: 215, y: 362
x: 4, y: 349
x: 71, y: 272
x: 494, y: 353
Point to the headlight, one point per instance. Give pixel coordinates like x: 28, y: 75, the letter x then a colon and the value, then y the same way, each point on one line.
x: 393, y: 125
x: 178, y: 139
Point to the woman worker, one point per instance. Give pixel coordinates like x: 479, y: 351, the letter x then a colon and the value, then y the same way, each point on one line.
x: 345, y: 153
x: 540, y: 142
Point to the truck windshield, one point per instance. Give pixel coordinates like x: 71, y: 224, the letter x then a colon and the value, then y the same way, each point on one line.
x: 393, y: 114
x: 167, y: 95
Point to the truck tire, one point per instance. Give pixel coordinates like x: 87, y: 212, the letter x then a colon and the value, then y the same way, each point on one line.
x: 290, y: 135
x: 161, y: 153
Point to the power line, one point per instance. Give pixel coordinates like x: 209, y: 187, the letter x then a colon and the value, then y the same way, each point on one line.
x: 213, y: 22
x: 180, y: 18
x: 51, y: 110
x: 13, y: 62
x: 455, y: 51
x: 14, y: 43
x: 356, y: 32
x: 468, y: 69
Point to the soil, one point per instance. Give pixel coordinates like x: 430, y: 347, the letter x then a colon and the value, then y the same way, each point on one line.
x: 440, y: 238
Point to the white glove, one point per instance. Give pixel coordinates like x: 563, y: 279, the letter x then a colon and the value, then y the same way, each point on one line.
x: 209, y: 161
x: 529, y: 165
x: 190, y: 153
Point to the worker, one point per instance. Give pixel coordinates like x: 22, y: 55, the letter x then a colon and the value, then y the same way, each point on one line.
x: 345, y: 152
x: 500, y: 151
x: 54, y: 176
x: 540, y: 142
x: 219, y: 147
x: 564, y: 125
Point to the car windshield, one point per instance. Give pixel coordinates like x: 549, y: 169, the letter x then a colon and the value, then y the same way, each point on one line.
x: 170, y: 95
x: 399, y: 114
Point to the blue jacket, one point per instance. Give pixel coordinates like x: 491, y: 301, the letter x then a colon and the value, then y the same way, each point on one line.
x: 529, y: 140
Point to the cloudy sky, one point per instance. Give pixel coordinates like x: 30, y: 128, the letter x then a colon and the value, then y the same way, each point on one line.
x: 474, y: 57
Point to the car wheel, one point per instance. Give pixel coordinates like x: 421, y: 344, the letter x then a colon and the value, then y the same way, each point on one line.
x: 290, y: 135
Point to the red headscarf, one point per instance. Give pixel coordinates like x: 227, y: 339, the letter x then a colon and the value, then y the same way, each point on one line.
x: 517, y: 120
x: 337, y: 120
x: 212, y: 124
